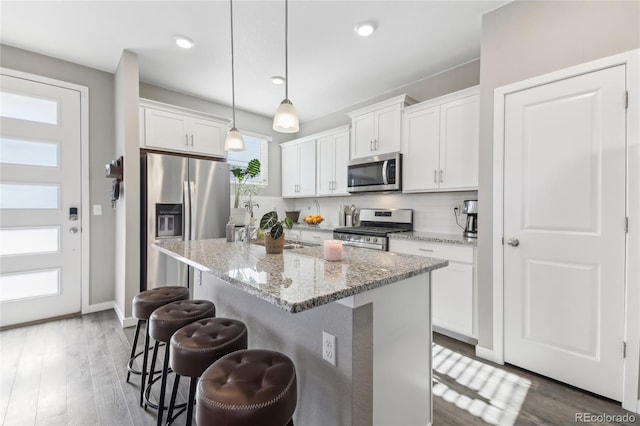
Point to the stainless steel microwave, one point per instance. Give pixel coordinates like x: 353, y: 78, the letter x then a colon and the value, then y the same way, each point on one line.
x: 378, y: 173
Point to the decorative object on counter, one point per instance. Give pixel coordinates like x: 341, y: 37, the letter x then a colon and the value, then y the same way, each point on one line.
x: 231, y: 230
x: 234, y: 140
x: 241, y: 176
x: 249, y: 205
x: 332, y: 250
x: 274, y: 239
x: 470, y: 208
x: 294, y: 215
x: 285, y: 120
x: 313, y: 220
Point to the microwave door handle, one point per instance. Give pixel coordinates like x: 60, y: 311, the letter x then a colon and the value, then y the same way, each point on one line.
x: 385, y: 166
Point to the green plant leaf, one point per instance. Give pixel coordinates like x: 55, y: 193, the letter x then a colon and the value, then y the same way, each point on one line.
x: 269, y: 220
x: 288, y: 222
x: 253, y: 168
x: 277, y: 231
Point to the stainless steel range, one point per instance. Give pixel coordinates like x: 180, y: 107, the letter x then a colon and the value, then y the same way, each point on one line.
x: 375, y: 225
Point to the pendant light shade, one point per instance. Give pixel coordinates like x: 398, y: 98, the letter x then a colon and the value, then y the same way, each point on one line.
x: 285, y: 119
x: 234, y: 140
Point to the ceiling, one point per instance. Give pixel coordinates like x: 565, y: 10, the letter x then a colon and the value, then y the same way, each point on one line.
x: 330, y: 67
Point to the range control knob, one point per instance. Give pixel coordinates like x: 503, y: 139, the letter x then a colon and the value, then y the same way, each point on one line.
x: 375, y: 240
x: 368, y: 239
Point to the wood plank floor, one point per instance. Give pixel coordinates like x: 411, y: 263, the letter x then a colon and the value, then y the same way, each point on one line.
x: 72, y: 372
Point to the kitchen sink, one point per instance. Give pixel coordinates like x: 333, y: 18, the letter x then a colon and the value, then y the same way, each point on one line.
x: 286, y: 246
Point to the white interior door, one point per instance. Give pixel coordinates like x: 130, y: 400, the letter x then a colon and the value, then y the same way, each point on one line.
x: 564, y: 202
x: 40, y: 242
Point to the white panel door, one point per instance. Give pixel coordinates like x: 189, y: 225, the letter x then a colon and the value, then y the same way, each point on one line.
x: 290, y: 159
x: 421, y: 163
x: 459, y: 145
x: 326, y: 163
x: 166, y: 130
x: 341, y: 152
x: 363, y: 135
x: 564, y: 192
x: 40, y: 244
x: 307, y: 168
x: 387, y: 130
x: 207, y: 137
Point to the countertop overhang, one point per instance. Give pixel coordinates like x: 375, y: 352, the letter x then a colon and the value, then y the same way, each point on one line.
x: 298, y: 279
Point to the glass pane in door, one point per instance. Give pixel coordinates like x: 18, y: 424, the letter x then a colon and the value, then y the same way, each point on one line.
x: 21, y: 107
x: 29, y: 196
x: 29, y: 240
x: 29, y: 284
x: 28, y: 153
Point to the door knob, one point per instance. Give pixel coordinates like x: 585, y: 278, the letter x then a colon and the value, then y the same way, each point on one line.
x: 73, y: 230
x: 513, y: 242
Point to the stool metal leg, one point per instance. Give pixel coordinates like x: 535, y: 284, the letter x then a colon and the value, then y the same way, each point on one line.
x: 172, y: 403
x: 133, y: 351
x: 147, y: 391
x: 163, y: 384
x: 145, y: 357
x: 192, y: 395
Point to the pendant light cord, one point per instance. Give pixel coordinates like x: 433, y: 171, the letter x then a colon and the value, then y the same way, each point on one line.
x: 233, y: 79
x: 286, y: 49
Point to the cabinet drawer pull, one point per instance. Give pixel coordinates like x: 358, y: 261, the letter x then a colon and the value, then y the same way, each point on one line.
x: 191, y: 140
x: 315, y: 236
x: 186, y: 139
x: 424, y: 249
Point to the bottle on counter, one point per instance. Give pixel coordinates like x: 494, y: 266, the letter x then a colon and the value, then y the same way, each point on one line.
x: 231, y: 231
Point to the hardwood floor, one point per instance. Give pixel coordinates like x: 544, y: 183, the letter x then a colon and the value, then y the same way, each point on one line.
x: 72, y: 372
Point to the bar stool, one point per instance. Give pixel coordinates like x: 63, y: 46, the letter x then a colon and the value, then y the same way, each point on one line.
x: 165, y: 321
x: 195, y: 347
x: 252, y: 387
x: 143, y: 305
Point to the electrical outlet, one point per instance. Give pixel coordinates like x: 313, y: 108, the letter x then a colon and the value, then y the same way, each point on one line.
x: 329, y: 348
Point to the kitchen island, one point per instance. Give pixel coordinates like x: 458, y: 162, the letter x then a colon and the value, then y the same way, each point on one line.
x: 376, y: 304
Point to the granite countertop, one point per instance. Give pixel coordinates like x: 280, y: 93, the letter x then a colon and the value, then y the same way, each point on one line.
x: 299, y: 279
x: 433, y: 237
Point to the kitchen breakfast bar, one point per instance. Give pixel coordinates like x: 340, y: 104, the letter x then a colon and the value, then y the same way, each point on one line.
x: 377, y: 305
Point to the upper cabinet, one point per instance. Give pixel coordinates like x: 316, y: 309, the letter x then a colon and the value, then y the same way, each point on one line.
x: 440, y: 143
x: 299, y: 168
x: 376, y: 129
x: 175, y: 129
x: 332, y: 156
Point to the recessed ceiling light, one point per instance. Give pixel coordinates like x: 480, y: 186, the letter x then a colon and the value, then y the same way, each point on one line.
x: 183, y: 41
x: 277, y: 79
x: 365, y: 28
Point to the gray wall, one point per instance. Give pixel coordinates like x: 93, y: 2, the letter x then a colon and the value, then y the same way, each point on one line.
x: 101, y: 151
x: 521, y: 40
x: 245, y: 121
x: 452, y: 80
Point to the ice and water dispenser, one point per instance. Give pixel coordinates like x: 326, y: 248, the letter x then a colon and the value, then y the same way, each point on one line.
x: 168, y: 220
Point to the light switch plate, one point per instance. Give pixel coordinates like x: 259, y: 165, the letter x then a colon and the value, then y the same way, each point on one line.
x: 97, y: 209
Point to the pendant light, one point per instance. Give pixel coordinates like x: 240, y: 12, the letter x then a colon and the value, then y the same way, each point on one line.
x: 234, y: 140
x: 285, y: 119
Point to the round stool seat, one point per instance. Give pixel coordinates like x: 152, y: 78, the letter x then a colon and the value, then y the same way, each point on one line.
x: 195, y: 346
x: 171, y: 317
x: 248, y: 387
x: 148, y: 301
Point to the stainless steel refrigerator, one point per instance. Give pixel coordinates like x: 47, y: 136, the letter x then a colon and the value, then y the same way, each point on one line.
x: 182, y: 199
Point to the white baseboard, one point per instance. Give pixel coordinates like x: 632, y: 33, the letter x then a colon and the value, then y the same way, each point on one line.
x: 489, y: 354
x: 124, y: 322
x: 97, y: 307
x: 466, y: 339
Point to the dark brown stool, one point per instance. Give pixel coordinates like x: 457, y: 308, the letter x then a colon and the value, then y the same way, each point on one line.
x: 142, y: 306
x: 250, y: 387
x: 195, y: 347
x: 165, y: 321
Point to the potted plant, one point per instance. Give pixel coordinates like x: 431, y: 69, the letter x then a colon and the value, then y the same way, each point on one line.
x: 274, y: 238
x: 241, y: 176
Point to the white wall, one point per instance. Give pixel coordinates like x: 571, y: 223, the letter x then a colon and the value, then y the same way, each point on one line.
x: 101, y: 151
x: 524, y: 39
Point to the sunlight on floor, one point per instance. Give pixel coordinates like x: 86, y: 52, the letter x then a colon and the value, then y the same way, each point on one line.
x: 487, y: 392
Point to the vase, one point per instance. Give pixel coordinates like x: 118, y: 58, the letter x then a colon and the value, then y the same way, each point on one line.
x: 273, y: 246
x: 239, y: 216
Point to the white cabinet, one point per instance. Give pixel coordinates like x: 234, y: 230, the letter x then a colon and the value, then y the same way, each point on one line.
x: 308, y: 235
x: 453, y: 291
x: 332, y: 158
x: 376, y: 129
x: 441, y: 142
x: 298, y: 168
x: 174, y: 129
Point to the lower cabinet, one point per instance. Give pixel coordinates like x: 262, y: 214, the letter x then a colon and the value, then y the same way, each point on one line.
x: 453, y: 293
x: 308, y: 235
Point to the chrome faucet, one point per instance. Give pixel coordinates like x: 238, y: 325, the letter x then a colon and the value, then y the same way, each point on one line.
x: 317, y: 207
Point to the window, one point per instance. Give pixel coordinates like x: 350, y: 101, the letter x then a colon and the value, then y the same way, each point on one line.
x: 255, y: 146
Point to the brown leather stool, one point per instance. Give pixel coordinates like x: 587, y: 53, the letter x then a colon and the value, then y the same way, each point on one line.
x: 195, y: 347
x: 165, y: 321
x: 143, y: 305
x: 251, y: 387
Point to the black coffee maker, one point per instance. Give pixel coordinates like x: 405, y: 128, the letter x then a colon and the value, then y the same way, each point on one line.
x: 470, y: 208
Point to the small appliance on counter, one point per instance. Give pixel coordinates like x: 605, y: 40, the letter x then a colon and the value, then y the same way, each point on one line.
x: 470, y: 208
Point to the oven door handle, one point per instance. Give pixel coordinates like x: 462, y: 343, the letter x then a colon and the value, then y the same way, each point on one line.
x: 385, y: 177
x: 364, y: 245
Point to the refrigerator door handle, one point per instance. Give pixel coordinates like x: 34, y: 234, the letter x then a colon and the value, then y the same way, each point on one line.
x: 192, y: 209
x: 187, y: 210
